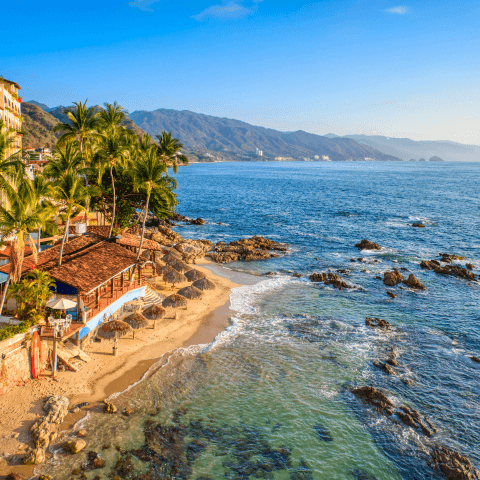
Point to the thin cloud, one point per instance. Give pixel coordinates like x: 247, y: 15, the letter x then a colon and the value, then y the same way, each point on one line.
x: 400, y: 10
x: 144, y: 5
x: 232, y: 10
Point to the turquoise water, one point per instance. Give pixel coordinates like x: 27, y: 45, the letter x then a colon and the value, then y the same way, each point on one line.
x: 270, y: 398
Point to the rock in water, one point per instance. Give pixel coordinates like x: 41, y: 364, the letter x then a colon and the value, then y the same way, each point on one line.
x: 412, y: 418
x: 391, y: 294
x: 475, y: 359
x: 449, y: 257
x: 374, y: 397
x: 470, y: 266
x: 385, y: 367
x: 74, y: 446
x: 368, y: 245
x: 377, y: 323
x: 418, y: 225
x: 413, y: 282
x: 392, y: 278
x: 109, y: 408
x: 330, y: 279
x: 453, y: 465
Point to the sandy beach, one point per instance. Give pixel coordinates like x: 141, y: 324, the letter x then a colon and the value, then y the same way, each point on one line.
x: 105, y: 374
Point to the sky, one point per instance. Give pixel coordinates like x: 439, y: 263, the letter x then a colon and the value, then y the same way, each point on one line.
x: 400, y: 68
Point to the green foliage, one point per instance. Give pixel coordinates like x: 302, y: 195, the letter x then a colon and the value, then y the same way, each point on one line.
x: 11, y: 330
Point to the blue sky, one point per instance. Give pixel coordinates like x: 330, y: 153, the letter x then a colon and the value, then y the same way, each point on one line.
x: 398, y: 68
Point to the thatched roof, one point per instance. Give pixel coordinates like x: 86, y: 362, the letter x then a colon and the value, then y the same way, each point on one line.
x: 171, y: 256
x: 174, y: 301
x: 165, y: 269
x: 154, y: 312
x: 136, y: 321
x: 113, y: 329
x: 181, y: 267
x: 190, y: 292
x: 204, y: 284
x: 172, y: 276
x: 193, y: 275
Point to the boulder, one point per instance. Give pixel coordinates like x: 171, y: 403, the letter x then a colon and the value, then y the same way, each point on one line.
x: 456, y: 271
x: 14, y: 476
x: 392, y: 278
x: 94, y: 461
x: 82, y: 433
x: 35, y: 456
x: 129, y: 411
x: 391, y: 294
x: 377, y: 323
x: 198, y: 221
x: 413, y: 282
x: 224, y: 257
x: 470, y: 266
x: 453, y: 465
x: 56, y: 407
x: 430, y: 264
x: 330, y: 279
x: 449, y: 257
x: 475, y: 359
x: 368, y: 245
x: 109, y: 407
x: 74, y: 446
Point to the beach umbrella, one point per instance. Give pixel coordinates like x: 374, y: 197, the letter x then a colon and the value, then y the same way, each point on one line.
x: 154, y: 312
x: 165, y: 269
x: 181, y: 266
x: 113, y: 330
x: 171, y: 256
x: 146, y: 254
x: 173, y: 277
x: 204, y: 284
x: 61, y: 304
x: 193, y: 275
x: 174, y: 301
x: 190, y: 292
x: 136, y: 321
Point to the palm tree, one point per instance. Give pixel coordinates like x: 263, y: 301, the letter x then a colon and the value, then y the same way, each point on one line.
x: 66, y: 158
x: 71, y: 191
x: 11, y: 167
x: 22, y: 216
x: 82, y: 127
x: 150, y: 174
x: 111, y: 148
x: 169, y: 150
x: 112, y: 116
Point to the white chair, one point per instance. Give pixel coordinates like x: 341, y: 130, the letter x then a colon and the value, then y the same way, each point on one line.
x: 68, y: 321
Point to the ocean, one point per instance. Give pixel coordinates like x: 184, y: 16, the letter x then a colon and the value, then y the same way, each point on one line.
x: 271, y: 396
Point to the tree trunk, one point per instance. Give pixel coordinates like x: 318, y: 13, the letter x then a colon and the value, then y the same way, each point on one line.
x: 114, y: 200
x: 38, y: 239
x: 143, y: 228
x: 65, y: 236
x: 4, y: 295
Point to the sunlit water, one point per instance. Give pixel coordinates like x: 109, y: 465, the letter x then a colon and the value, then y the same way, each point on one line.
x: 270, y: 398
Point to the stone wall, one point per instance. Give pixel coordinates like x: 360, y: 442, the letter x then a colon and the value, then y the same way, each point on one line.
x: 15, y: 361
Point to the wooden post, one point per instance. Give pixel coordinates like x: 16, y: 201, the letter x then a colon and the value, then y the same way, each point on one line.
x: 122, y: 280
x: 97, y: 295
x: 139, y: 274
x: 112, y: 287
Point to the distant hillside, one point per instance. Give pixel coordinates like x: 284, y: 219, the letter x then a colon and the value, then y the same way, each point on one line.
x: 37, y: 127
x: 407, y: 149
x: 205, y: 133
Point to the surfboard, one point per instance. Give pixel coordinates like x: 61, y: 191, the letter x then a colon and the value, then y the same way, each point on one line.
x: 36, y: 355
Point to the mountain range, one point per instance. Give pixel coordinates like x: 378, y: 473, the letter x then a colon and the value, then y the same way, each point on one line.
x: 209, y: 138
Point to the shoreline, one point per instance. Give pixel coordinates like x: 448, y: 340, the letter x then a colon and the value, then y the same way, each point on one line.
x: 106, y: 374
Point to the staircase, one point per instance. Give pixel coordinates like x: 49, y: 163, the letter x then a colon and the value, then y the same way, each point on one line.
x: 152, y: 297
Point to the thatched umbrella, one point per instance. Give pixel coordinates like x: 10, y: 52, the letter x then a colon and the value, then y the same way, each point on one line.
x: 136, y: 321
x: 154, y: 312
x: 165, y: 269
x: 171, y: 256
x: 172, y: 276
x: 113, y: 330
x: 181, y: 266
x: 190, y: 292
x: 204, y: 284
x: 146, y: 254
x: 174, y: 301
x: 193, y: 275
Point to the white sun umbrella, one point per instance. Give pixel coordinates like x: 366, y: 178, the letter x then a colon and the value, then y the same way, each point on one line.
x: 61, y: 304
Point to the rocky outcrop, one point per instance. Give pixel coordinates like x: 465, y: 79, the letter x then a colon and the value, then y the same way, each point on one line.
x: 377, y: 323
x: 418, y: 225
x: 109, y: 407
x: 392, y: 278
x: 193, y: 250
x: 385, y: 367
x: 453, y: 465
x: 164, y: 236
x: 449, y: 257
x: 475, y: 359
x: 408, y: 416
x: 368, y: 245
x: 453, y: 270
x: 413, y: 282
x: 470, y: 266
x: 44, y: 430
x: 247, y: 249
x: 330, y: 279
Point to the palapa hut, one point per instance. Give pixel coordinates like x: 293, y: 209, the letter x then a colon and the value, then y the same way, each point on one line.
x: 193, y: 275
x: 204, y: 284
x: 190, y: 292
x: 172, y: 256
x: 113, y: 330
x: 154, y: 312
x: 175, y: 301
x: 136, y: 321
x: 173, y: 277
x: 181, y: 266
